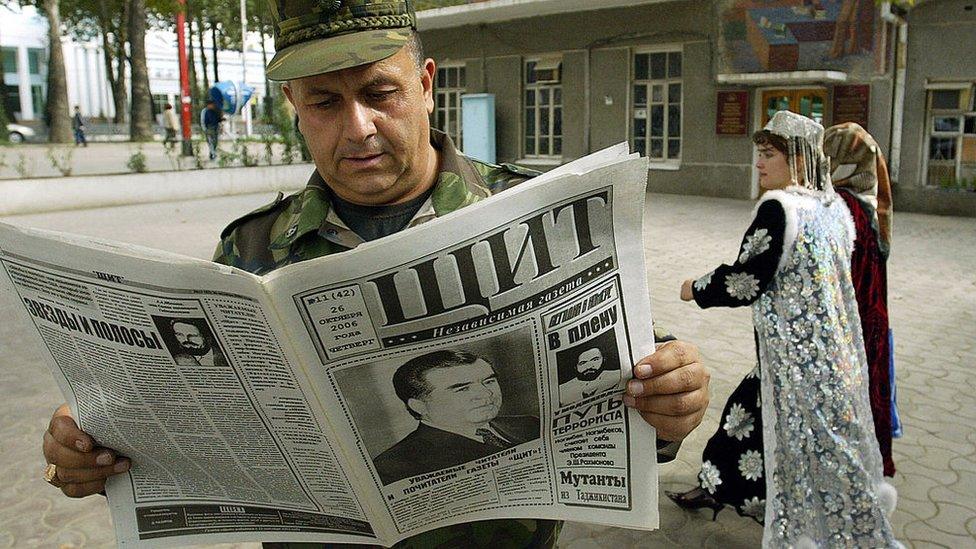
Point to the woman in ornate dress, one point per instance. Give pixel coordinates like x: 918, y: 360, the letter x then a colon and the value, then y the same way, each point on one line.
x: 821, y: 465
x: 731, y: 472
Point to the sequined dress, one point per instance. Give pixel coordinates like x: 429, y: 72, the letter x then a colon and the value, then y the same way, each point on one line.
x: 824, y: 484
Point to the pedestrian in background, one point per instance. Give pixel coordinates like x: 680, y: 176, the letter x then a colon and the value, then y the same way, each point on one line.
x: 78, y: 125
x: 170, y: 125
x: 210, y: 119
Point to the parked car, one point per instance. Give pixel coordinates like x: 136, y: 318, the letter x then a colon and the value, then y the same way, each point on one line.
x: 18, y: 133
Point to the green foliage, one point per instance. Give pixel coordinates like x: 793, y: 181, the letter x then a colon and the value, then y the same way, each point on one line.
x: 197, y: 148
x: 247, y: 158
x: 269, y: 142
x: 137, y: 162
x: 60, y: 158
x: 226, y: 159
x: 24, y: 167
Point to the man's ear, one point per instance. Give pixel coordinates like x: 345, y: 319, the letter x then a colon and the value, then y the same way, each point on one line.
x: 286, y: 87
x: 418, y: 406
x: 427, y: 81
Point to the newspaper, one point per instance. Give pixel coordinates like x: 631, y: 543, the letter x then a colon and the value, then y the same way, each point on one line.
x: 470, y: 368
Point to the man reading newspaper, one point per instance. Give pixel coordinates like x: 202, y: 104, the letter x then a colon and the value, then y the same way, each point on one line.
x: 356, y: 74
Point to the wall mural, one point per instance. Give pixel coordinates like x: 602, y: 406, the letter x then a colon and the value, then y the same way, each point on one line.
x: 796, y: 35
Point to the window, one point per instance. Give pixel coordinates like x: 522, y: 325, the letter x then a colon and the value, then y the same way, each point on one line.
x: 9, y: 60
x: 448, y: 89
x: 35, y: 60
x: 951, y: 127
x: 543, y: 104
x: 159, y: 101
x: 37, y: 99
x: 656, y: 105
x: 9, y: 85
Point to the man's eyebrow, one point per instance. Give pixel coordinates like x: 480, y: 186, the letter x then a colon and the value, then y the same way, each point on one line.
x: 466, y: 383
x: 379, y: 80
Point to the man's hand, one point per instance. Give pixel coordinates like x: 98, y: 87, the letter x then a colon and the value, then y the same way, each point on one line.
x: 686, y: 293
x: 670, y: 389
x: 82, y: 467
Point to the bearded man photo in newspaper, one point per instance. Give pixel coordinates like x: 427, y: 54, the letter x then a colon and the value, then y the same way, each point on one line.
x: 456, y: 397
x: 190, y: 342
x: 593, y: 367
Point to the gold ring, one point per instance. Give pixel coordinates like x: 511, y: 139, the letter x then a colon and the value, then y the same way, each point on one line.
x: 50, y: 473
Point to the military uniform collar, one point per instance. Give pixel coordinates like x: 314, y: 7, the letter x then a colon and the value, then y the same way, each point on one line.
x: 458, y: 184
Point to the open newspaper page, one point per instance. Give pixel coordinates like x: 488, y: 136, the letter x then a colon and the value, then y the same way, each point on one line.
x: 473, y: 365
x: 179, y: 364
x: 304, y: 406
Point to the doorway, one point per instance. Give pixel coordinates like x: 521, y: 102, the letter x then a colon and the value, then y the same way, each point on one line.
x: 810, y: 102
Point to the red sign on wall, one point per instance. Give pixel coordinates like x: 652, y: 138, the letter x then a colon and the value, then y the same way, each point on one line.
x: 732, y: 113
x: 852, y: 104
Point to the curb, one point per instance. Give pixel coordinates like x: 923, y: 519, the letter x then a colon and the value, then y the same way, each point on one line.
x: 28, y: 196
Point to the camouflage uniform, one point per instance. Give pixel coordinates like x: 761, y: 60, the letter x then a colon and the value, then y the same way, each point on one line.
x: 304, y: 226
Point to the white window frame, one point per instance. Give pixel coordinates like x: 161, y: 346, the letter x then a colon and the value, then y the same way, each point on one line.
x: 446, y: 94
x: 967, y: 110
x: 664, y: 162
x: 552, y: 62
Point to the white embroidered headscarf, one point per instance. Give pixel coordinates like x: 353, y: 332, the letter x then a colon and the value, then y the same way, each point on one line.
x: 805, y: 138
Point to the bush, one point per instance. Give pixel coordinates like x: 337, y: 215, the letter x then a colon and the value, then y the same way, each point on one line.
x: 226, y: 159
x: 23, y: 168
x: 137, y: 162
x: 242, y: 152
x: 60, y: 159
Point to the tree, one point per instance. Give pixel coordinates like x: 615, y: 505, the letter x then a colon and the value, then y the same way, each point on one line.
x: 140, y: 123
x: 56, y: 107
x: 106, y: 20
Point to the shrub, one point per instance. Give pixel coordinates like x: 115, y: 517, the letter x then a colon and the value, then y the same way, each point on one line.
x: 137, y: 162
x: 60, y: 159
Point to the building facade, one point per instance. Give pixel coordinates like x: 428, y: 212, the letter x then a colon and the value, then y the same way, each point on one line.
x: 23, y: 44
x: 686, y: 83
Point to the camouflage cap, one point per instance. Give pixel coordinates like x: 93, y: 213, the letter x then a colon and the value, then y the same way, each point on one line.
x: 318, y: 36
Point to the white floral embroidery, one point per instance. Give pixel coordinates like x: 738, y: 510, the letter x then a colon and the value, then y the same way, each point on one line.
x: 751, y: 465
x: 753, y: 373
x: 742, y: 285
x: 755, y: 244
x: 704, y: 281
x: 709, y: 477
x: 754, y: 507
x: 739, y: 423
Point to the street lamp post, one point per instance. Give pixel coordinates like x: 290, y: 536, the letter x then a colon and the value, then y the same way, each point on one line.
x: 185, y: 117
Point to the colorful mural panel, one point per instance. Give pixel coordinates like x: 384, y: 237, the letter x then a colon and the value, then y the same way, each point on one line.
x: 796, y: 35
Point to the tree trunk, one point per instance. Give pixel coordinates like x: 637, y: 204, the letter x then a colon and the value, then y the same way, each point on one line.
x: 114, y: 62
x: 192, y: 65
x: 120, y: 94
x: 203, y: 57
x: 213, y: 34
x: 268, y: 107
x: 56, y: 107
x: 140, y: 124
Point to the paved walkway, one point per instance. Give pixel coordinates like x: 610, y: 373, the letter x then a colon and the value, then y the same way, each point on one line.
x: 933, y: 305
